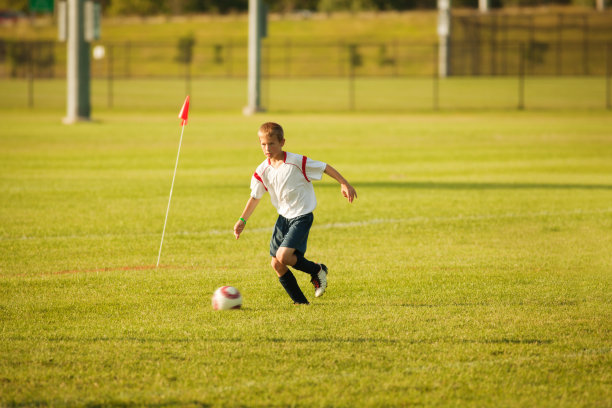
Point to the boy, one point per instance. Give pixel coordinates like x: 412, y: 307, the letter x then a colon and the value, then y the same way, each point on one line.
x: 287, y: 177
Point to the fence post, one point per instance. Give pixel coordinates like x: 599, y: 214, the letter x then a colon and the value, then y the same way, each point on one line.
x: 493, y: 44
x: 559, y: 42
x: 188, y: 78
x: 521, y: 77
x: 30, y: 67
x: 436, y: 79
x: 228, y: 59
x: 395, y: 57
x: 585, y: 47
x: 608, y: 73
x: 351, y: 84
x: 110, y: 76
x: 128, y: 54
x: 267, y: 74
x: 287, y: 58
x: 341, y: 49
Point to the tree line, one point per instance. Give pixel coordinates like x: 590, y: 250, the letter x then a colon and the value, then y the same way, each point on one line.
x: 177, y: 7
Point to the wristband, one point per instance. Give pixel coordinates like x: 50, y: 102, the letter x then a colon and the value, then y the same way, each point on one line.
x: 243, y: 220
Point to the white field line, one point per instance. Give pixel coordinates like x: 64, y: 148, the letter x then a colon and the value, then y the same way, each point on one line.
x: 333, y: 225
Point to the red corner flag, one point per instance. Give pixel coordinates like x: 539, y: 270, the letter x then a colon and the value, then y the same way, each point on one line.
x: 184, y: 111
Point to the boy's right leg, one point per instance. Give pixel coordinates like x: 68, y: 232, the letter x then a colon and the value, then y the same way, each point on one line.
x: 318, y: 272
x: 287, y: 279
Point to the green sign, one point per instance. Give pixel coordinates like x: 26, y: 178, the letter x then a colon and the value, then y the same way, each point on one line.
x: 41, y: 6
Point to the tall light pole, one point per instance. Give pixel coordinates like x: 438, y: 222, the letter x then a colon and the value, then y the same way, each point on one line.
x: 78, y: 104
x: 444, y: 27
x: 257, y: 31
x: 483, y: 6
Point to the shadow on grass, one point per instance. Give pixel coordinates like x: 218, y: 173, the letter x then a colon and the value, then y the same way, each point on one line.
x: 426, y: 185
x: 314, y: 340
x: 111, y: 404
x: 169, y: 403
x: 359, y: 340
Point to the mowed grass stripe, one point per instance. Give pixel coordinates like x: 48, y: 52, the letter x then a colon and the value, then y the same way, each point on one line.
x: 353, y: 224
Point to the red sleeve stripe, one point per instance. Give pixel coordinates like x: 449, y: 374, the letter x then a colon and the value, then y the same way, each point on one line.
x: 260, y: 180
x: 304, y: 158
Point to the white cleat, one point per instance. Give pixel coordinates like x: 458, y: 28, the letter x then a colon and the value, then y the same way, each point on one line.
x: 319, y: 281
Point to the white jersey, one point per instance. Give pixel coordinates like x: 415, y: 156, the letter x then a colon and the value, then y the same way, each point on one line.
x: 289, y: 185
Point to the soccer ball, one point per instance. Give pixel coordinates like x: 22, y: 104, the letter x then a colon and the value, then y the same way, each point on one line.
x: 226, y: 297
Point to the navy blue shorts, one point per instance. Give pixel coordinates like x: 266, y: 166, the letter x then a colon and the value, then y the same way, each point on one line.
x: 291, y: 233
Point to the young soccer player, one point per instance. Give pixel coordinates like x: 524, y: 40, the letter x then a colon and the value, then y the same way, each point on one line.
x: 287, y: 177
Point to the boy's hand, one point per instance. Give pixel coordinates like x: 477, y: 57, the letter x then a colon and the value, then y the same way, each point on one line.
x: 238, y: 228
x: 348, y: 192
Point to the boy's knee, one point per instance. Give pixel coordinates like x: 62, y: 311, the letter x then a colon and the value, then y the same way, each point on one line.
x: 285, y: 257
x: 278, y: 267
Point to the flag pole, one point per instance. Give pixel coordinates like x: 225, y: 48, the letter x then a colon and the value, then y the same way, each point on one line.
x: 182, y: 115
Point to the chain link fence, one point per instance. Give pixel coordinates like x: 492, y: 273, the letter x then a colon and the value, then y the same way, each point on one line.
x: 553, y: 43
x: 511, y: 52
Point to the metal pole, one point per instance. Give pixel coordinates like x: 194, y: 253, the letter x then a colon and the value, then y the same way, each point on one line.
x: 351, y: 83
x: 77, y: 69
x: 559, y: 42
x: 254, y: 55
x: 483, y: 6
x: 436, y: 80
x: 228, y: 59
x: 265, y: 93
x: 30, y: 54
x: 608, y: 73
x: 128, y: 55
x: 444, y: 23
x: 287, y: 58
x: 521, y: 75
x: 110, y: 76
x: 601, y: 5
x: 493, y: 45
x: 585, y: 47
x: 188, y: 78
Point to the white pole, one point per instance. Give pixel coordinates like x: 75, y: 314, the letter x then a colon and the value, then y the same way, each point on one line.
x: 444, y: 37
x: 483, y: 6
x: 170, y: 199
x: 601, y: 5
x: 78, y: 104
x: 254, y: 56
x: 72, y: 62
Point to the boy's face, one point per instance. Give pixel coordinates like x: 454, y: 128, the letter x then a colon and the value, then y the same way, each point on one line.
x: 271, y: 146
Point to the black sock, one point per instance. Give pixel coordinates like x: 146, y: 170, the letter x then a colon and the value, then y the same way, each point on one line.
x: 292, y: 288
x: 305, y: 265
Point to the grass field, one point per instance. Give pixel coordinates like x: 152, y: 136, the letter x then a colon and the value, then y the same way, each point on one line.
x: 323, y: 95
x: 474, y: 269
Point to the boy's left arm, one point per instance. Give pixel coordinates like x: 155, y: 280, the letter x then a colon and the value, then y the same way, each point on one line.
x: 347, y: 190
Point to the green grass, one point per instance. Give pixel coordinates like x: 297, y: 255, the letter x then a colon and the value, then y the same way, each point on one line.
x: 417, y: 25
x: 474, y: 269
x: 322, y: 95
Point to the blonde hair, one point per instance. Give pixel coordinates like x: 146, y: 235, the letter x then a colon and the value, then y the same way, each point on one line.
x: 272, y: 129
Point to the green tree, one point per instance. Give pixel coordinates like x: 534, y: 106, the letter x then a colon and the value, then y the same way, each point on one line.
x: 328, y: 6
x: 19, y: 5
x: 138, y: 7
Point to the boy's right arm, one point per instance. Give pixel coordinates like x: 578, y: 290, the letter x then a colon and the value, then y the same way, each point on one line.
x: 248, y: 210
